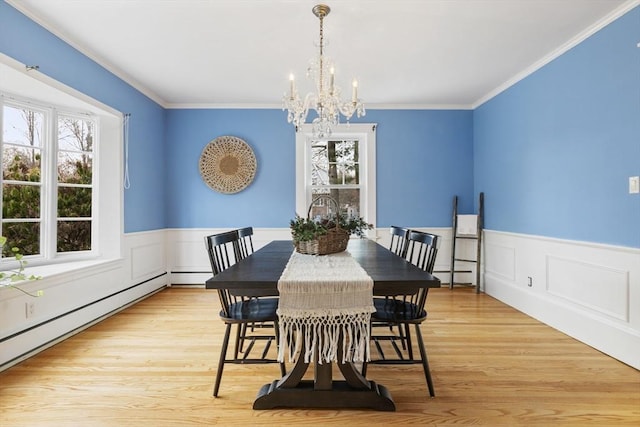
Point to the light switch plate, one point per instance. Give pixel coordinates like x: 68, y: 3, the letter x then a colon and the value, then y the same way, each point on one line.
x: 634, y: 184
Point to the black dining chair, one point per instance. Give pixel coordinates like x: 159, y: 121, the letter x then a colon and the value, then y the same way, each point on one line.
x: 399, y: 240
x: 404, y: 309
x: 240, y: 308
x: 399, y: 245
x: 245, y: 248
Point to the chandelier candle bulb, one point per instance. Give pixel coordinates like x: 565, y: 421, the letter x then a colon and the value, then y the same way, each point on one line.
x: 354, y: 93
x: 292, y: 81
x: 332, y: 71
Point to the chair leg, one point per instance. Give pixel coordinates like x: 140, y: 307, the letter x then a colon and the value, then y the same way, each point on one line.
x: 402, y: 335
x: 407, y: 333
x: 239, y: 340
x: 223, y: 356
x: 242, y: 333
x: 425, y: 362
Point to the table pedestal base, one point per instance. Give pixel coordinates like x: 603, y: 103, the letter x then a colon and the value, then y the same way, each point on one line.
x: 341, y: 395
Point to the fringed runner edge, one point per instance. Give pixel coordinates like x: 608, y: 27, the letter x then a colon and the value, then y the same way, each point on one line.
x: 314, y: 312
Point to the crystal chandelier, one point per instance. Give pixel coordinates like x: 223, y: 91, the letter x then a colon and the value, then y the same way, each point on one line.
x: 327, y: 101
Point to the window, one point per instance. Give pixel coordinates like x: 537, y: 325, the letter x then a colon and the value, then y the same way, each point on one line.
x: 47, y: 179
x: 342, y: 166
x: 72, y: 145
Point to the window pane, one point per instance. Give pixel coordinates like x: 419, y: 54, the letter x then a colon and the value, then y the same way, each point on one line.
x: 20, y: 164
x: 319, y: 163
x: 74, y: 202
x: 74, y: 236
x: 75, y: 168
x: 20, y: 201
x: 22, y: 235
x: 334, y: 163
x: 347, y: 159
x: 22, y: 126
x: 75, y: 134
x: 348, y: 199
x: 345, y: 174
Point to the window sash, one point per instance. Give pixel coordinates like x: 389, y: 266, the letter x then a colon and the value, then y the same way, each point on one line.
x: 48, y: 149
x: 365, y: 134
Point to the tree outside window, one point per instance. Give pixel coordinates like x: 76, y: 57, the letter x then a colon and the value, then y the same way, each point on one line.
x: 335, y: 170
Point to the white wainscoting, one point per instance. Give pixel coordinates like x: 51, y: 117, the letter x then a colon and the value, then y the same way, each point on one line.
x: 588, y: 291
x: 77, y: 295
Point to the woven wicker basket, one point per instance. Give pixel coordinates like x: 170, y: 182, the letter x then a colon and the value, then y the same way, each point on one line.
x: 334, y: 241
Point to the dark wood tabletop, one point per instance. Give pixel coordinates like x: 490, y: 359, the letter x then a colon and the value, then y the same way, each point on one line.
x: 258, y: 275
x: 261, y: 270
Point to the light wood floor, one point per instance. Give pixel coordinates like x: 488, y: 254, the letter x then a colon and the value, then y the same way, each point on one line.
x: 154, y: 365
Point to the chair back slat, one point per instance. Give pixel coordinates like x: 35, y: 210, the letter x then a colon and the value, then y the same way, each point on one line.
x: 422, y: 252
x: 399, y: 242
x: 423, y: 249
x: 245, y: 242
x: 218, y: 247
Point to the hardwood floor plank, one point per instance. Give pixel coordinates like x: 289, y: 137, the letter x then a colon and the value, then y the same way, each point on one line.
x: 154, y: 364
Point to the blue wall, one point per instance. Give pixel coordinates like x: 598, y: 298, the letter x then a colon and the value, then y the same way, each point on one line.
x: 553, y: 153
x: 423, y: 159
x: 27, y: 42
x: 267, y: 202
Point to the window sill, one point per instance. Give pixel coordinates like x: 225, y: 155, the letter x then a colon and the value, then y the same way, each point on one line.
x: 55, y: 274
x: 54, y: 270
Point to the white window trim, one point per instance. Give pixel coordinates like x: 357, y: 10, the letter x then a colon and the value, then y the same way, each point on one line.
x: 366, y: 133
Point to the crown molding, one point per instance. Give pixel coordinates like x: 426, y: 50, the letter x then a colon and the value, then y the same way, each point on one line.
x: 127, y: 78
x: 579, y: 38
x: 368, y: 106
x: 89, y: 53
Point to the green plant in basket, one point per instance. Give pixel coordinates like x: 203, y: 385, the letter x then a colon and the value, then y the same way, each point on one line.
x: 306, y: 229
x: 325, y: 235
x: 355, y: 226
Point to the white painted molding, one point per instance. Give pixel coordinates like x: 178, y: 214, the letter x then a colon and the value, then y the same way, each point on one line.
x: 577, y: 39
x: 587, y: 290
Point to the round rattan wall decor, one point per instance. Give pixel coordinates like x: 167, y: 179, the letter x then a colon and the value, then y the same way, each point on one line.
x: 227, y: 164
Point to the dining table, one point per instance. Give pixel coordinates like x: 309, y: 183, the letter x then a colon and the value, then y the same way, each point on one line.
x: 259, y: 275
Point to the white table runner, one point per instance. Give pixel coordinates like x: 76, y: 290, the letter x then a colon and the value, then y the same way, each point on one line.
x: 323, y: 298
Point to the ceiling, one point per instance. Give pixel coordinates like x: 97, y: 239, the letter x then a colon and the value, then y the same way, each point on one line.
x: 404, y: 53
